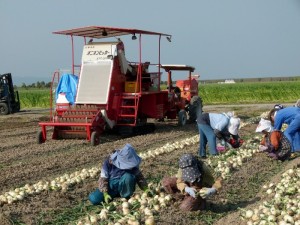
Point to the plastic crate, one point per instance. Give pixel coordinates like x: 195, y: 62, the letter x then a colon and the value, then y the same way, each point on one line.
x: 130, y: 87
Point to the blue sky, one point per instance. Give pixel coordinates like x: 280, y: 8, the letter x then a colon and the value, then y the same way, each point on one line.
x: 221, y: 39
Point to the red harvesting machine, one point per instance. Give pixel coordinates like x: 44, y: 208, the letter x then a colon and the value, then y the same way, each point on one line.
x: 111, y: 92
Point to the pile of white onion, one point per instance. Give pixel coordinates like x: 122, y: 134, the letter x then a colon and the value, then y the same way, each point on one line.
x: 224, y: 164
x: 170, y: 147
x: 232, y: 159
x: 123, y: 211
x: 63, y: 182
x: 283, y: 206
x: 60, y: 183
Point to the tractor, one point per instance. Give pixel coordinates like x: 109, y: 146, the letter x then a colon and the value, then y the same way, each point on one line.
x: 9, y: 98
x: 112, y: 93
x: 185, y: 98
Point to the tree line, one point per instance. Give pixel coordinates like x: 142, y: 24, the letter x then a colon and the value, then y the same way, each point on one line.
x: 38, y: 84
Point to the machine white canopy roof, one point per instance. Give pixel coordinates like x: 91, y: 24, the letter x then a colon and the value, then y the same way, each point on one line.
x: 105, y: 32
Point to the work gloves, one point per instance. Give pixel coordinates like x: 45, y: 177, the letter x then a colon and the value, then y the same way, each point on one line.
x: 205, y: 192
x: 262, y: 148
x: 190, y: 191
x: 107, y: 197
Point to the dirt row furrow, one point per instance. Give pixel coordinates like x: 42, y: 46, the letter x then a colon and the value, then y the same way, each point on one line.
x: 29, y: 151
x: 55, y: 157
x: 9, y: 134
x: 163, y: 165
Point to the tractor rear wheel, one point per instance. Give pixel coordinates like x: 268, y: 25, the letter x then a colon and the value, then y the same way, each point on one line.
x: 4, y: 109
x: 195, y: 107
x: 125, y: 131
x: 39, y: 137
x: 182, y: 117
x: 95, y: 138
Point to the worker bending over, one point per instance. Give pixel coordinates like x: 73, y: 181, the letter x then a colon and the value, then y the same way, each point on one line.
x: 119, y: 175
x: 194, y: 181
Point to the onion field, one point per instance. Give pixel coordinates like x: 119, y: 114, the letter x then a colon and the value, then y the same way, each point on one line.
x: 49, y: 183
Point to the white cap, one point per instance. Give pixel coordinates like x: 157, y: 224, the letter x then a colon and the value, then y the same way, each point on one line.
x: 233, y: 126
x: 264, y: 125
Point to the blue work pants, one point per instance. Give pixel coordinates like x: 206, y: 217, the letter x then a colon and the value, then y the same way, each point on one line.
x: 118, y: 187
x: 292, y: 132
x: 207, y: 135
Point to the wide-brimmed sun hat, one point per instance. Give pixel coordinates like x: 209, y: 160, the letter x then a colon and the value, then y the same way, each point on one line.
x: 125, y: 158
x: 189, y: 166
x: 264, y: 125
x: 233, y: 126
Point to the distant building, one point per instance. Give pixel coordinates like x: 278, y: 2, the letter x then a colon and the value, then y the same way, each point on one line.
x: 228, y: 81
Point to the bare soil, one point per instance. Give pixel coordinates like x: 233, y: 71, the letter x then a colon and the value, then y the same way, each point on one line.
x: 24, y: 161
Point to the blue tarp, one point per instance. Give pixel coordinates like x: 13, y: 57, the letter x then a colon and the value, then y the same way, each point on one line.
x: 68, y: 85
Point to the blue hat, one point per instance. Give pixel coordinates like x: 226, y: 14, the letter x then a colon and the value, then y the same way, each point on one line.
x: 125, y: 158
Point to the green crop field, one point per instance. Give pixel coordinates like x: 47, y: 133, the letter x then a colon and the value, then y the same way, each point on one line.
x: 247, y: 93
x: 211, y: 94
x: 34, y: 98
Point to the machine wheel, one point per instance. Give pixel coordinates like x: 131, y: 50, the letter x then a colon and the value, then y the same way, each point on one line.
x: 4, y: 109
x: 39, y: 137
x: 182, y: 117
x: 144, y: 129
x: 126, y: 131
x: 195, y: 107
x: 95, y: 138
